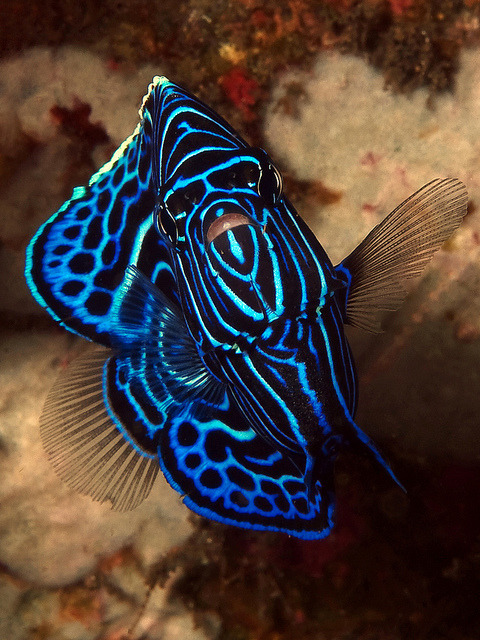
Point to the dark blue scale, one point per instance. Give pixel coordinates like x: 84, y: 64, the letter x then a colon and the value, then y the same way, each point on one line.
x: 226, y: 364
x: 76, y: 263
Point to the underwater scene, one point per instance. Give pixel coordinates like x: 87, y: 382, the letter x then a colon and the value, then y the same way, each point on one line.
x: 240, y: 320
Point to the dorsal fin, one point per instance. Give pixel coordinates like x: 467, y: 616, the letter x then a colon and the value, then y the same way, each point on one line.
x: 398, y: 249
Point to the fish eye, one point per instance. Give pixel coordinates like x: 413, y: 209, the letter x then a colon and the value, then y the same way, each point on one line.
x: 183, y: 200
x: 165, y: 222
x: 270, y: 183
x: 177, y: 202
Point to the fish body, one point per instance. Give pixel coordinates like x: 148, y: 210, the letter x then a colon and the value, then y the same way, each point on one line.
x: 225, y: 361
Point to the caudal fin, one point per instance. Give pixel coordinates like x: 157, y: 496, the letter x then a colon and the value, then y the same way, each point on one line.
x: 398, y: 249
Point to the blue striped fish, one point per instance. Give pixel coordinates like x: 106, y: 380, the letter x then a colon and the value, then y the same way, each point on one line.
x: 219, y: 320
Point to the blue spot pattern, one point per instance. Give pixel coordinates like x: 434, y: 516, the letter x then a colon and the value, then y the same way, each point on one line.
x: 183, y: 256
x: 77, y: 259
x: 226, y: 363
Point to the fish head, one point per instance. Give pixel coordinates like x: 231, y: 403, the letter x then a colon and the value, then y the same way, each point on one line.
x: 241, y: 254
x: 219, y: 218
x: 256, y: 287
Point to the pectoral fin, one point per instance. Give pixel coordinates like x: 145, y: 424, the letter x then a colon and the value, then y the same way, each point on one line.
x: 398, y: 249
x: 87, y: 449
x: 150, y: 327
x: 101, y: 420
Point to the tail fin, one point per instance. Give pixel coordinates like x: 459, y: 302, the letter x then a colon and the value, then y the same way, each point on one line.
x: 398, y: 249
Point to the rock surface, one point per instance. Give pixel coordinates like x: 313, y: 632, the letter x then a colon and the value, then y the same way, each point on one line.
x: 72, y: 568
x: 49, y: 534
x: 374, y: 148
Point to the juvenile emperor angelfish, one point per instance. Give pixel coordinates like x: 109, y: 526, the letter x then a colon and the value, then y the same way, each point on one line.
x: 224, y: 359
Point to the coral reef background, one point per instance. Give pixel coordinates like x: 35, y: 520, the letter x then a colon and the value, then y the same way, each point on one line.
x: 360, y: 102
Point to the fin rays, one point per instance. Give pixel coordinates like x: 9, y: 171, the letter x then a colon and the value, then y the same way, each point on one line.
x: 85, y: 446
x: 149, y: 323
x: 399, y: 248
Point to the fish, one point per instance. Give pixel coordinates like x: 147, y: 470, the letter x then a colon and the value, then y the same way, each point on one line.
x: 219, y: 356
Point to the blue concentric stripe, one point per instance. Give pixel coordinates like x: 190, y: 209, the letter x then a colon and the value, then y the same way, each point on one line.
x: 230, y: 361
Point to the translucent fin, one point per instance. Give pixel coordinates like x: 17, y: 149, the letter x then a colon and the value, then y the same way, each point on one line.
x: 367, y: 448
x: 399, y: 248
x: 148, y: 323
x: 86, y: 448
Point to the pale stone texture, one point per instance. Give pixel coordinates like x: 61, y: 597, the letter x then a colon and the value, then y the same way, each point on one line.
x: 30, y: 85
x: 37, y: 79
x: 419, y: 380
x: 49, y: 534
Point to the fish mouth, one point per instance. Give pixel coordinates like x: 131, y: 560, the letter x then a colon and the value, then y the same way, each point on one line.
x: 224, y: 223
